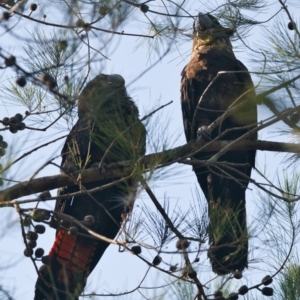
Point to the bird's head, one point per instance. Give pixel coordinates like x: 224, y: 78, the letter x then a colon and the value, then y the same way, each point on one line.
x: 208, y: 31
x: 100, y: 94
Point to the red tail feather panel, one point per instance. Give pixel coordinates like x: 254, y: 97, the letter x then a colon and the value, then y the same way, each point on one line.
x: 104, y: 110
x: 74, y: 253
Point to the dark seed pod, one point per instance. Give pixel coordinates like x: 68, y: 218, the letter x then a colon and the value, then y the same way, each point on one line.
x: 136, y: 250
x: 66, y: 78
x: 237, y: 275
x: 89, y: 220
x: 87, y: 27
x: 267, y: 280
x: 21, y: 81
x: 39, y: 215
x: 54, y: 223
x: 182, y: 244
x: 13, y: 121
x: 32, y: 236
x: 19, y: 117
x: 32, y: 244
x: 173, y: 268
x: 178, y: 245
x: 21, y: 126
x: 46, y: 215
x: 197, y: 259
x: 65, y: 223
x: 80, y: 23
x: 33, y: 6
x: 103, y: 10
x: 291, y: 25
x: 157, y: 260
x: 185, y: 244
x: 40, y: 229
x: 39, y: 252
x: 243, y: 290
x: 6, y: 15
x: 267, y: 291
x: 62, y: 45
x: 73, y: 231
x: 46, y: 260
x: 233, y: 296
x: 218, y: 294
x: 13, y: 129
x: 10, y: 61
x: 28, y: 251
x: 44, y: 195
x: 3, y: 145
x: 2, y: 152
x: 5, y: 121
x: 26, y: 221
x: 43, y: 270
x: 144, y: 8
x: 192, y: 273
x: 13, y: 124
x: 48, y: 80
x: 1, y: 138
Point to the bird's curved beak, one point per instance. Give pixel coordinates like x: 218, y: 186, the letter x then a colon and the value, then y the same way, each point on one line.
x: 202, y: 23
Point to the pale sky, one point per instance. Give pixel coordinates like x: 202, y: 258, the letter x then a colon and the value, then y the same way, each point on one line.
x: 118, y: 272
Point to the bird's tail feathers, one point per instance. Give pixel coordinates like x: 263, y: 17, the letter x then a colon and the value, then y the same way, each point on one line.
x: 228, y: 237
x: 64, y: 277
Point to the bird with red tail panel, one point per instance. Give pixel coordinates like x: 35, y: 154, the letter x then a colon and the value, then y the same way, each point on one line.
x: 108, y: 130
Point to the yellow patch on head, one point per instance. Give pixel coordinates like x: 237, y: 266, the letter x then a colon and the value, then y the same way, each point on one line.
x: 212, y: 41
x: 205, y: 41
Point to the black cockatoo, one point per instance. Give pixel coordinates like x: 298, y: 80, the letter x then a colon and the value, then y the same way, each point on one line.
x: 204, y: 98
x: 108, y: 130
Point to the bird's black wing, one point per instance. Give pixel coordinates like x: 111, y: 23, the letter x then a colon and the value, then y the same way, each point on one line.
x: 206, y: 95
x: 119, y: 135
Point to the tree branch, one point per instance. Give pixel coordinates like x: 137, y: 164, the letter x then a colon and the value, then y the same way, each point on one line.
x: 151, y: 161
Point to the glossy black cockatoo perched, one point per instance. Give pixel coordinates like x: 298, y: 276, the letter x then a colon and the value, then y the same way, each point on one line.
x: 108, y: 130
x: 204, y: 98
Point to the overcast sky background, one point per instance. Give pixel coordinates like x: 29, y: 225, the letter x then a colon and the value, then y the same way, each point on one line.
x: 118, y: 272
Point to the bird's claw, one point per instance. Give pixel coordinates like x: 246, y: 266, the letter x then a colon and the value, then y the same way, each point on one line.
x: 100, y: 167
x: 203, y: 134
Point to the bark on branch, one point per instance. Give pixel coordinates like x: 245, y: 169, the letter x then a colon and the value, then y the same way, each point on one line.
x: 149, y: 162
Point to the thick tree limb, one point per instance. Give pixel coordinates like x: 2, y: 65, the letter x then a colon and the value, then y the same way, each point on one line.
x: 149, y: 162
